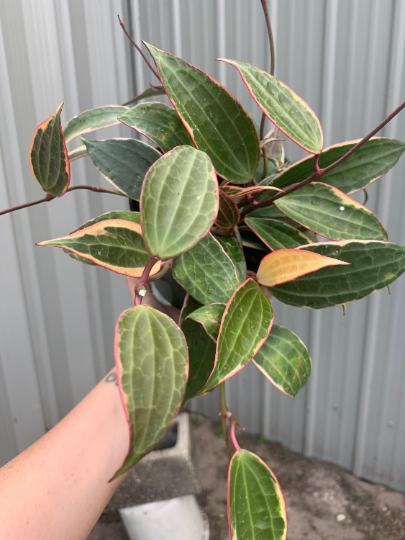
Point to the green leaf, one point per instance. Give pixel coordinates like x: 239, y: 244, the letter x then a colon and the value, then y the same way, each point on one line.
x: 77, y: 153
x: 114, y: 244
x: 236, y: 255
x: 48, y: 156
x: 374, y: 159
x: 215, y: 120
x: 373, y: 265
x: 284, y: 360
x: 209, y: 317
x: 271, y: 212
x: 331, y: 213
x: 149, y: 92
x: 206, y: 272
x: 251, y: 240
x: 246, y: 323
x: 152, y: 363
x: 201, y: 350
x: 256, y: 505
x: 189, y: 305
x: 126, y: 215
x: 282, y: 106
x: 276, y: 234
x: 179, y: 202
x: 228, y: 213
x: 159, y: 123
x: 100, y: 117
x: 80, y: 259
x: 123, y: 162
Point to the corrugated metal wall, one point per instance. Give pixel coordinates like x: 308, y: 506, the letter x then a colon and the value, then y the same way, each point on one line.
x: 345, y: 58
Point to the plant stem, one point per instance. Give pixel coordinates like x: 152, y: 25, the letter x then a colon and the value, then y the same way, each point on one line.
x: 318, y: 172
x: 164, y: 269
x: 272, y: 68
x: 141, y: 286
x: 233, y: 437
x: 265, y: 164
x: 262, y: 122
x: 271, y: 39
x: 49, y: 197
x: 224, y: 415
x: 137, y: 48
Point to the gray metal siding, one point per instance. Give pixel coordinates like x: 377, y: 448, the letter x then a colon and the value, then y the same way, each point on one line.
x: 345, y: 58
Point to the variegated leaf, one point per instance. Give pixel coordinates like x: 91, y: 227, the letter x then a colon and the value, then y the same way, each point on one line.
x: 48, y: 156
x: 214, y: 118
x: 114, y: 244
x: 288, y: 264
x: 152, y: 367
x: 179, y: 202
x: 282, y: 106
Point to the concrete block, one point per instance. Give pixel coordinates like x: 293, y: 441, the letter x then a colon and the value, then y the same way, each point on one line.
x: 176, y: 519
x: 160, y: 475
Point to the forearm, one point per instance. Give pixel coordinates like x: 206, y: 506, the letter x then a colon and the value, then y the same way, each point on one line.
x: 59, y: 486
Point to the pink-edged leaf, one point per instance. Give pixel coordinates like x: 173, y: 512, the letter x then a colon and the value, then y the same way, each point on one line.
x: 369, y: 163
x: 282, y: 106
x: 215, y: 120
x: 210, y: 317
x: 372, y: 266
x: 288, y: 264
x: 201, y: 349
x: 87, y: 121
x: 236, y: 255
x: 179, y: 202
x: 123, y: 162
x: 284, y: 360
x: 328, y: 211
x: 159, y: 123
x: 115, y: 244
x: 278, y: 234
x: 207, y: 272
x: 228, y: 214
x: 49, y: 157
x: 245, y: 325
x: 152, y: 367
x: 256, y: 505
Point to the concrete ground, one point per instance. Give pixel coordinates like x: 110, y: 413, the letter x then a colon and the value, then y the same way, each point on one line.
x: 324, y: 502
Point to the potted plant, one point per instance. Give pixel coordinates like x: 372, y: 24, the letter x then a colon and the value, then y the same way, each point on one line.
x: 236, y: 224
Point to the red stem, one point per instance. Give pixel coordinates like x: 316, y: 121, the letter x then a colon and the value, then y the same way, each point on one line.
x: 49, y: 197
x: 143, y: 280
x: 233, y: 436
x: 318, y: 172
x: 137, y: 47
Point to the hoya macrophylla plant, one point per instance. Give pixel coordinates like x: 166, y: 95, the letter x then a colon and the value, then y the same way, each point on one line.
x: 236, y: 224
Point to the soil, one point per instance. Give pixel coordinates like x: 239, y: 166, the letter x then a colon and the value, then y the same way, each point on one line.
x: 324, y: 502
